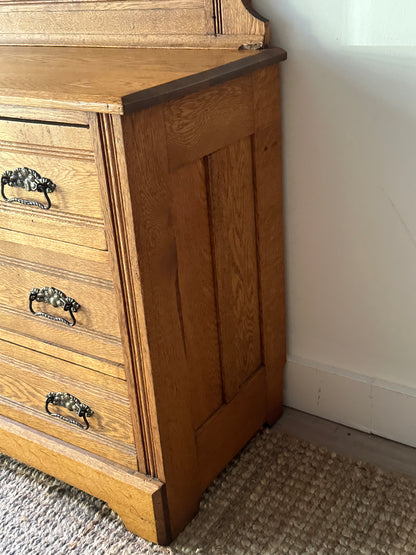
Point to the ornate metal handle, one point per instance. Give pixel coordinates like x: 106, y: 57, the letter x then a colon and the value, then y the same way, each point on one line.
x: 71, y: 403
x: 29, y: 180
x: 54, y: 297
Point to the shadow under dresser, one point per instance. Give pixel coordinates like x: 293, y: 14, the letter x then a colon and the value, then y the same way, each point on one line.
x: 142, y: 317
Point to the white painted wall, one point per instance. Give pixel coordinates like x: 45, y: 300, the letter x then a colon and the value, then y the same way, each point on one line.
x: 349, y: 128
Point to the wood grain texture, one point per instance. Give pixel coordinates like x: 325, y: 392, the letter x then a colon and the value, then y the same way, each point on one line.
x: 173, y: 249
x: 138, y: 365
x: 68, y: 353
x: 39, y: 114
x: 235, y: 254
x: 96, y: 297
x: 96, y: 444
x: 78, y: 230
x: 196, y: 288
x: 230, y: 428
x: 24, y: 386
x: 109, y: 157
x: 173, y: 90
x: 76, y: 181
x: 98, y: 5
x: 92, y: 350
x: 173, y: 23
x: 62, y: 153
x: 66, y: 370
x: 29, y: 388
x: 150, y: 192
x: 110, y: 27
x: 138, y: 499
x: 79, y: 78
x: 38, y: 134
x: 239, y: 17
x: 269, y: 209
x: 206, y: 121
x: 65, y: 256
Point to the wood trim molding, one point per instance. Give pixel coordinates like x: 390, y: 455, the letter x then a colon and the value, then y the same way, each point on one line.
x: 138, y: 499
x: 111, y: 176
x: 98, y: 5
x: 133, y: 23
x: 202, y: 80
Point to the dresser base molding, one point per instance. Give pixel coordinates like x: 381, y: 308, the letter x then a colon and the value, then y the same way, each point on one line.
x: 136, y: 498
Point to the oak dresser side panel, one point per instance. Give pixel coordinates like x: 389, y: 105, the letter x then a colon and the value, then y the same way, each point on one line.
x: 235, y: 252
x: 196, y: 288
x: 267, y: 149
x: 165, y: 367
x: 206, y: 272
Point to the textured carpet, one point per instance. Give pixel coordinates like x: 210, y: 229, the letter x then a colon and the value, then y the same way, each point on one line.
x: 281, y: 495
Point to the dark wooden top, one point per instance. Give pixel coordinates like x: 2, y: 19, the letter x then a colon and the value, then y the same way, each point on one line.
x: 116, y: 80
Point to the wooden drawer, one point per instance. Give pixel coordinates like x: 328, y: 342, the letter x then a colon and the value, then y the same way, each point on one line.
x: 63, y: 154
x: 96, y: 334
x: 97, y: 312
x: 46, y: 135
x: 24, y: 386
x: 86, y: 271
x: 65, y: 256
x: 101, y: 353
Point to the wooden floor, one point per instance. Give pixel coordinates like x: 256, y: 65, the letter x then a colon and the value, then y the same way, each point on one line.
x: 386, y: 454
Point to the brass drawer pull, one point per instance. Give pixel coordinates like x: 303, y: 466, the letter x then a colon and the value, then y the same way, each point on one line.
x: 71, y: 403
x: 30, y: 180
x: 57, y: 298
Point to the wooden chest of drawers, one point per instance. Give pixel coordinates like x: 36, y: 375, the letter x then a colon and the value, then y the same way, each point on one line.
x: 142, y: 334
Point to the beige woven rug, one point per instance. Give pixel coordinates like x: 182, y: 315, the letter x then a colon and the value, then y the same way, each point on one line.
x: 281, y: 495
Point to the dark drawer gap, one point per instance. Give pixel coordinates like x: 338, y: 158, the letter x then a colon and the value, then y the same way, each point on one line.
x: 38, y: 121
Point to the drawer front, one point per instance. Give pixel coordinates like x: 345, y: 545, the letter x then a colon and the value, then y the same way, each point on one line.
x: 25, y: 263
x: 26, y: 379
x: 101, y: 353
x: 69, y: 207
x: 97, y: 312
x: 65, y: 256
x: 77, y: 191
x: 47, y: 135
x: 94, y: 341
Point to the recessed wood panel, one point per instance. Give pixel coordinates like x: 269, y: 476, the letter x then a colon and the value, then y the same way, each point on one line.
x: 223, y: 435
x: 196, y: 288
x: 235, y: 254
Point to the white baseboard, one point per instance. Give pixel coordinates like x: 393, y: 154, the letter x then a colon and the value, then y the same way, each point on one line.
x: 368, y: 404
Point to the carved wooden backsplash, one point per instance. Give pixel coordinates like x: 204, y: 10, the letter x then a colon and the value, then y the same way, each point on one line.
x: 151, y: 23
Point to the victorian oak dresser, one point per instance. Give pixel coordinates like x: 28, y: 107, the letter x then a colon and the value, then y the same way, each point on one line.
x: 142, y: 333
